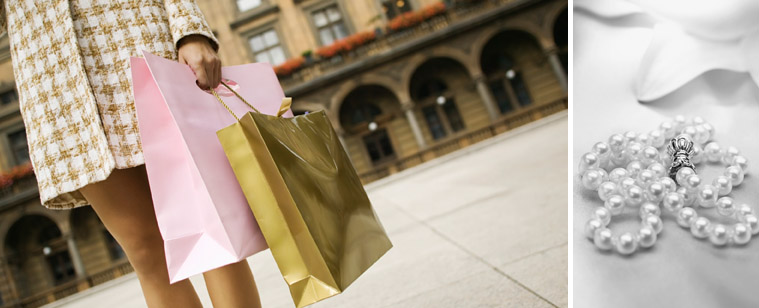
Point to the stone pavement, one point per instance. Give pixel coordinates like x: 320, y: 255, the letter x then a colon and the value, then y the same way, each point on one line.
x: 485, y: 226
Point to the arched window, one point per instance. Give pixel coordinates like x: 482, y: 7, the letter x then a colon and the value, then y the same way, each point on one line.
x: 362, y: 114
x: 394, y: 8
x: 438, y: 107
x: 37, y: 255
x: 504, y: 75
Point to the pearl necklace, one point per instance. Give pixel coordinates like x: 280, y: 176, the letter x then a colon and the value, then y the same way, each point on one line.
x: 629, y: 171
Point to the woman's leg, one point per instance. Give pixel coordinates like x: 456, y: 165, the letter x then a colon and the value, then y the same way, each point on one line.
x: 124, y: 204
x: 232, y: 286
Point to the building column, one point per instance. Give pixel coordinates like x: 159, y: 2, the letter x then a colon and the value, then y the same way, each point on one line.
x: 408, y: 109
x: 558, y: 69
x: 487, y: 97
x: 10, y: 280
x: 75, y: 257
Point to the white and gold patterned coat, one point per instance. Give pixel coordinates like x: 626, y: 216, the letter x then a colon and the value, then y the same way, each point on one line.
x: 71, y: 65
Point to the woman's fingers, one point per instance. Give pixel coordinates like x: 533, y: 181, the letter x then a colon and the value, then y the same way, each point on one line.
x: 196, y: 51
x: 201, y: 75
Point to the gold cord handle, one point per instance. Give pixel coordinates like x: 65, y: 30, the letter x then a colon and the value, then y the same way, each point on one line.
x: 286, y: 102
x: 238, y: 96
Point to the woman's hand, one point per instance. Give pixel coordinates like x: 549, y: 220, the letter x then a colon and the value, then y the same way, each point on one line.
x: 196, y: 51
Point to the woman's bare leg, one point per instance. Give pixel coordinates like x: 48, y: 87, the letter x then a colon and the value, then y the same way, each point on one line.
x: 124, y: 204
x: 232, y: 286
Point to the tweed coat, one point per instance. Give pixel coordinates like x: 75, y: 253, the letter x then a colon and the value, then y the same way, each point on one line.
x: 71, y: 65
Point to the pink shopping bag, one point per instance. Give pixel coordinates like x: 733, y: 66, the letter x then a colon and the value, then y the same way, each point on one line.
x: 203, y: 216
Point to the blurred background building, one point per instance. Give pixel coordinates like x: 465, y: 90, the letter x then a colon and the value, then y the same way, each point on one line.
x: 403, y: 81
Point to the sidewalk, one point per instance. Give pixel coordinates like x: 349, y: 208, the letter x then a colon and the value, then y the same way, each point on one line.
x: 482, y: 227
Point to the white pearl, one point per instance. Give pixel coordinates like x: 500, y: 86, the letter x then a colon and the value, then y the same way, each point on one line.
x: 668, y: 183
x: 741, y: 233
x: 718, y: 234
x: 649, y: 155
x: 634, y: 150
x: 630, y: 136
x: 751, y: 221
x: 634, y: 168
x: 592, y: 178
x: 690, y: 131
x: 634, y: 196
x: 648, y: 208
x: 654, y: 222
x: 673, y: 202
x: 619, y: 158
x: 657, y: 138
x: 698, y: 155
x: 606, y: 189
x: 740, y: 161
x: 646, y: 177
x: 658, y: 169
x: 743, y: 210
x: 603, y: 214
x: 617, y: 143
x: 699, y: 227
x: 682, y: 174
x: 646, y: 237
x: 698, y: 120
x: 588, y: 161
x: 709, y: 128
x: 615, y: 204
x: 680, y: 122
x: 692, y: 182
x: 644, y: 139
x: 725, y: 206
x: 655, y: 192
x: 723, y: 184
x: 702, y: 135
x: 667, y: 129
x: 686, y: 216
x: 728, y: 154
x: 707, y: 196
x: 591, y: 226
x: 618, y: 174
x: 711, y: 150
x: 627, y: 243
x: 601, y: 149
x: 688, y: 196
x: 625, y: 184
x: 735, y: 174
x: 603, y: 239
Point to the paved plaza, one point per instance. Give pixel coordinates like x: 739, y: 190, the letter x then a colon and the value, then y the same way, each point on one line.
x: 482, y: 227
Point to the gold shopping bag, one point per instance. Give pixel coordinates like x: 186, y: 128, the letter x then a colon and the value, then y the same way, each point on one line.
x: 307, y: 200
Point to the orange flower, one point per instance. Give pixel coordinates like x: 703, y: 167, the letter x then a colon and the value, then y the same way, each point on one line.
x: 410, y: 19
x: 289, y: 66
x: 16, y: 173
x: 346, y: 44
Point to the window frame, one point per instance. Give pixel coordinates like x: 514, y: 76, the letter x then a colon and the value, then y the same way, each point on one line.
x: 264, y: 3
x: 260, y: 30
x: 5, y: 142
x: 413, y: 4
x: 344, y: 17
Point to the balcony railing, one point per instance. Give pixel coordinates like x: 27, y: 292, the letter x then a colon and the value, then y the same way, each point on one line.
x: 19, y: 190
x: 507, y: 123
x: 387, y: 40
x: 72, y: 287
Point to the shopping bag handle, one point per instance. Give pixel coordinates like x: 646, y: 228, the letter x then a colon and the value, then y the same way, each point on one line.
x: 286, y: 102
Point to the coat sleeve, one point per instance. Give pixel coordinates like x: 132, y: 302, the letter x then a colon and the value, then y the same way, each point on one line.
x: 185, y: 18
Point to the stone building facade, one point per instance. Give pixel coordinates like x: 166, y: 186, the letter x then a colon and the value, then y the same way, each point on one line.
x: 403, y: 81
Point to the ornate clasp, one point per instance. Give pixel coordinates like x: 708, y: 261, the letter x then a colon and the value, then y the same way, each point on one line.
x: 680, y: 149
